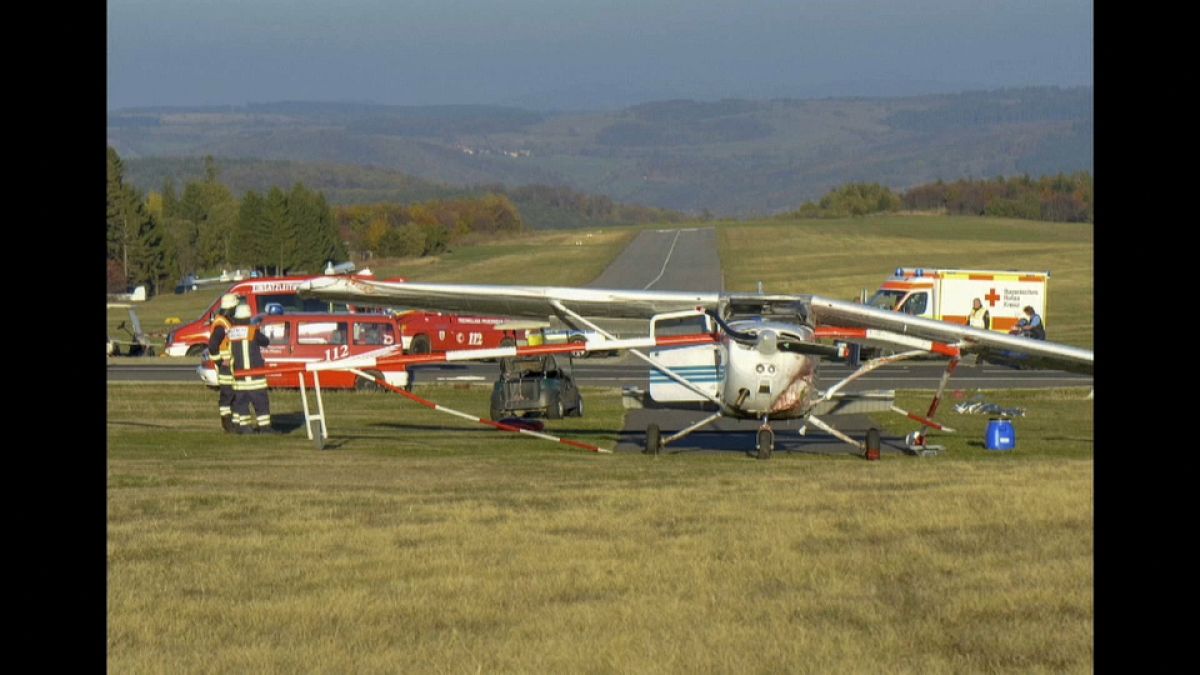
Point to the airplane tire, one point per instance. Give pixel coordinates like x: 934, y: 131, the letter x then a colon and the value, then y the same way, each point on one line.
x: 653, y: 440
x: 765, y: 443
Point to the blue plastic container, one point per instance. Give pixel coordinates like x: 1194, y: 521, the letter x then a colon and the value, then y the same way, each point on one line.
x: 1000, y: 435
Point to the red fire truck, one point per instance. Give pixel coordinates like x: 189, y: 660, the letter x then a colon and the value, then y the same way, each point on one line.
x: 420, y: 332
x: 431, y: 332
x: 306, y: 337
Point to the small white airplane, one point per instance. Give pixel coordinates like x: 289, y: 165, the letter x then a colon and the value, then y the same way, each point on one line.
x: 756, y: 359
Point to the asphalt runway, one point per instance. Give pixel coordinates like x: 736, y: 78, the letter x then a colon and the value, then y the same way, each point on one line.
x: 667, y: 260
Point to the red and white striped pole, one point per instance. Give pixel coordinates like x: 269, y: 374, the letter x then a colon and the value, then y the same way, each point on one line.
x: 458, y: 413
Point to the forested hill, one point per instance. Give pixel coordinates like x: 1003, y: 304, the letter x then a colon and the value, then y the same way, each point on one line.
x: 730, y: 157
x: 541, y: 206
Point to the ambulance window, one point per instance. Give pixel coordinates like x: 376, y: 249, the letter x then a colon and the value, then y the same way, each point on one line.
x: 277, y: 332
x: 321, y: 332
x: 374, y: 333
x: 916, y: 304
x: 885, y: 299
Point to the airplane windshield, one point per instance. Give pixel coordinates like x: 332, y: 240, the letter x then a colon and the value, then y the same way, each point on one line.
x: 885, y: 299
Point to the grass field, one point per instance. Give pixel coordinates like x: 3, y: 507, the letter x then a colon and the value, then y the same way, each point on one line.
x: 421, y: 543
x: 836, y: 258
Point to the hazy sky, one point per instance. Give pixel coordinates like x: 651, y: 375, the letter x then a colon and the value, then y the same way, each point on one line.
x: 584, y: 54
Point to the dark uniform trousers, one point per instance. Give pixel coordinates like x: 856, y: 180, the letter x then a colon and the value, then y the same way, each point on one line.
x: 244, y: 343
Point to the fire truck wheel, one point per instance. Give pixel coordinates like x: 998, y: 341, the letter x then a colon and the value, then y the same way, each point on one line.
x: 419, y: 345
x: 579, y: 340
x: 195, y: 350
x: 508, y: 342
x: 363, y: 384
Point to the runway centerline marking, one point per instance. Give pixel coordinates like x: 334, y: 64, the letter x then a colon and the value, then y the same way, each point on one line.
x: 666, y: 262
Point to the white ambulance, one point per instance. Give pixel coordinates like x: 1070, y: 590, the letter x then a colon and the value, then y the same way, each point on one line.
x: 947, y: 295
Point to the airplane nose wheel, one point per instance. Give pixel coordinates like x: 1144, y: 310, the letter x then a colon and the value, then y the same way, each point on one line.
x: 765, y: 443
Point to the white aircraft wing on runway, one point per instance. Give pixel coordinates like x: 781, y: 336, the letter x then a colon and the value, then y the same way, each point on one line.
x: 758, y: 362
x: 534, y: 302
x: 540, y: 301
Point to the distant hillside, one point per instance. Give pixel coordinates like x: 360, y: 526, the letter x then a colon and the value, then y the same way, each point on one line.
x: 729, y: 157
x: 541, y: 206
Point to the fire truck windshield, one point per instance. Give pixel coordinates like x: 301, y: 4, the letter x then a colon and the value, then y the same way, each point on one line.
x: 292, y: 303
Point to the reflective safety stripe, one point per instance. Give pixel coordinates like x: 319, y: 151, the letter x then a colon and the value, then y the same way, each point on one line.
x: 264, y: 419
x: 253, y: 384
x: 224, y: 410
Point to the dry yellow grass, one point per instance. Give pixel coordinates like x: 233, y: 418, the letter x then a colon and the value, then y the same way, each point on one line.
x: 421, y: 544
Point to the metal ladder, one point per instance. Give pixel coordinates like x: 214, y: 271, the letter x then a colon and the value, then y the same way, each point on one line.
x: 318, y: 437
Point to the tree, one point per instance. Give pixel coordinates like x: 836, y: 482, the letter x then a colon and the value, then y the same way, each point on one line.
x: 212, y: 210
x: 251, y: 235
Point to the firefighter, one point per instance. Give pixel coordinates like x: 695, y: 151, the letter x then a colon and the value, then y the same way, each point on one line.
x: 979, y: 317
x: 218, y: 346
x: 245, y: 342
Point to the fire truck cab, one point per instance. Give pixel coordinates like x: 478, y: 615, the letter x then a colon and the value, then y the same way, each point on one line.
x: 306, y: 337
x: 192, y: 339
x: 947, y: 294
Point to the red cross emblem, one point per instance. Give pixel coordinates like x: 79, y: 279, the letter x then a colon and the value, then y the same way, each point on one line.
x: 991, y: 297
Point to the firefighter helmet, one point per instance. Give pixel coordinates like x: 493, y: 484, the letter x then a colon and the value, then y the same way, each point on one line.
x: 229, y: 301
x: 242, y: 312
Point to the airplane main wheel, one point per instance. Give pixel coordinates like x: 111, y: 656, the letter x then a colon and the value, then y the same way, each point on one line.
x: 653, y: 440
x: 872, y: 443
x: 765, y: 442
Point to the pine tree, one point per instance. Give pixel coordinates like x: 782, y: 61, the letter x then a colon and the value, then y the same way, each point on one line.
x: 250, y: 240
x: 279, y: 243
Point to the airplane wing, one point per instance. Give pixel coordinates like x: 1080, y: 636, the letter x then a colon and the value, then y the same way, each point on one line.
x: 537, y: 302
x: 1008, y: 349
x: 533, y: 302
